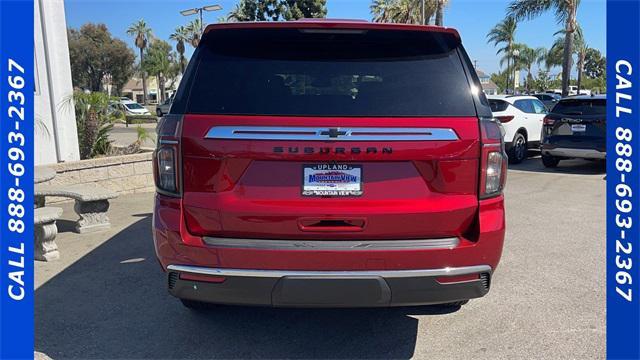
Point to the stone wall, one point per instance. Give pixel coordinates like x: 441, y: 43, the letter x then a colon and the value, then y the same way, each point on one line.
x: 123, y: 174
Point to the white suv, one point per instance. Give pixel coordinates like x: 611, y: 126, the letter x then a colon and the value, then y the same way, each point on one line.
x: 521, y: 117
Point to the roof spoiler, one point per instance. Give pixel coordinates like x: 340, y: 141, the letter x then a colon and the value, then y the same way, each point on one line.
x: 330, y: 24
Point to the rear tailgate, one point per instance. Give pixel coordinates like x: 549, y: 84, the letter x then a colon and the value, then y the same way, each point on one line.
x: 394, y: 108
x: 248, y: 188
x: 578, y: 123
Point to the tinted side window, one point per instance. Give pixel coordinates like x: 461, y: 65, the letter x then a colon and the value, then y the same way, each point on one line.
x: 525, y: 106
x: 538, y: 107
x: 498, y: 105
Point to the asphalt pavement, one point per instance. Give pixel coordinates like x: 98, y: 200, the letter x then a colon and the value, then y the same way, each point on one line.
x: 106, y: 296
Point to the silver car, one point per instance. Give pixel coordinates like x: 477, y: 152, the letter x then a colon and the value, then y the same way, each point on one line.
x: 162, y: 109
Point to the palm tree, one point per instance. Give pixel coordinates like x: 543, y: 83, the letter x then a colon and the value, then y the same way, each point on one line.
x: 381, y: 10
x: 504, y: 33
x: 141, y: 32
x: 581, y: 49
x: 527, y: 58
x: 565, y: 11
x: 440, y: 4
x: 403, y: 11
x: 554, y: 55
x: 237, y: 14
x: 194, y: 29
x: 180, y: 36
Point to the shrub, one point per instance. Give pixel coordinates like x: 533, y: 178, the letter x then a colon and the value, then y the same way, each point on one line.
x: 94, y: 122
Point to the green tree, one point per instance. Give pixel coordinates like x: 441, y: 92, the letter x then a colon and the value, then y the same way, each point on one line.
x: 596, y: 85
x: 180, y: 36
x: 141, y: 33
x: 158, y: 62
x: 554, y: 55
x: 595, y: 65
x: 440, y: 4
x: 94, y: 54
x: 580, y: 49
x: 501, y: 79
x: 277, y: 10
x: 404, y: 11
x: 503, y: 34
x: 94, y: 121
x: 527, y: 58
x: 194, y: 32
x: 542, y: 82
x: 566, y: 12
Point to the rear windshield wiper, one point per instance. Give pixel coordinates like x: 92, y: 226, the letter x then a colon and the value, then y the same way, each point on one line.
x: 573, y: 113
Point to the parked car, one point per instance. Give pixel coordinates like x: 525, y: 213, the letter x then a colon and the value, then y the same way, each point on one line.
x: 575, y: 128
x: 548, y: 99
x: 331, y: 164
x: 573, y: 90
x: 132, y: 108
x: 163, y: 108
x: 521, y: 116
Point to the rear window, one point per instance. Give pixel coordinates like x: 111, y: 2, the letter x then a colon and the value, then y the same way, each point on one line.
x: 498, y: 105
x: 320, y: 73
x: 581, y: 107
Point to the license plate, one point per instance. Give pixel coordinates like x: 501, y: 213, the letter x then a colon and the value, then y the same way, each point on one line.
x: 578, y: 127
x: 332, y: 180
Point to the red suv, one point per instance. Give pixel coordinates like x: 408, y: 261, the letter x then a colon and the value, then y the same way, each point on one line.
x: 330, y: 164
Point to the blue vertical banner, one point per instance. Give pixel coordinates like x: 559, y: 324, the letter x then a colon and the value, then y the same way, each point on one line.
x: 623, y: 179
x: 16, y: 178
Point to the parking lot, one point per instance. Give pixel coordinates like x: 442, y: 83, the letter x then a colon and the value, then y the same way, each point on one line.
x: 106, y: 297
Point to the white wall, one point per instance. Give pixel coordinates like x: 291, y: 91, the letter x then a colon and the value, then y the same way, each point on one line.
x: 56, y: 138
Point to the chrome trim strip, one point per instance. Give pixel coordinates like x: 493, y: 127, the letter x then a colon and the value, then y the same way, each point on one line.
x: 332, y: 274
x: 332, y: 134
x: 315, y: 245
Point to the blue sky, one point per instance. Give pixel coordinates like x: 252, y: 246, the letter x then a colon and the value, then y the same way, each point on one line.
x: 472, y: 18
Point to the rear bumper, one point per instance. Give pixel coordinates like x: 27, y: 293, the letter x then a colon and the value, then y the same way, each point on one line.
x: 574, y: 153
x: 331, y: 267
x: 286, y: 288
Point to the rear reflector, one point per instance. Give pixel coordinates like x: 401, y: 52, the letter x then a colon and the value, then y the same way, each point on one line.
x: 202, y: 278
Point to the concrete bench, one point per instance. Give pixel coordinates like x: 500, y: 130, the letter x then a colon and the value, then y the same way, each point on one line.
x: 92, y: 203
x: 45, y: 231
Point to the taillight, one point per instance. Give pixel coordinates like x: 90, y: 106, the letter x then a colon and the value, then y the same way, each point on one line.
x: 548, y: 121
x: 166, y: 159
x: 494, y: 168
x: 504, y: 119
x: 494, y: 159
x: 167, y: 179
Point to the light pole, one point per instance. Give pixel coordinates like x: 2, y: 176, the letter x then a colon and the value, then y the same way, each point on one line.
x: 199, y: 11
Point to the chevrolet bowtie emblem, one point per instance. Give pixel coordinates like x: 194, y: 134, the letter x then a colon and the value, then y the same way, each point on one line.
x: 333, y: 132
